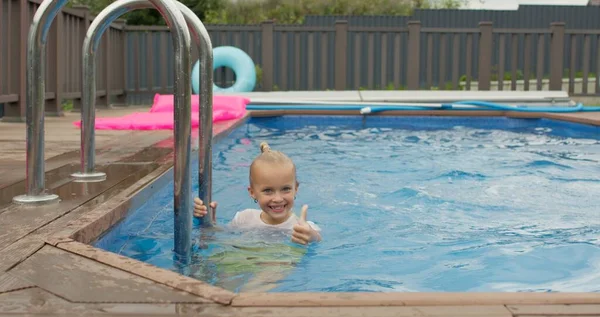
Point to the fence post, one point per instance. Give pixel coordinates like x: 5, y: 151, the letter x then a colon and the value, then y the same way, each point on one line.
x: 54, y: 106
x: 15, y: 111
x: 414, y: 55
x: 557, y: 53
x: 341, y: 49
x: 485, y: 56
x: 267, y: 55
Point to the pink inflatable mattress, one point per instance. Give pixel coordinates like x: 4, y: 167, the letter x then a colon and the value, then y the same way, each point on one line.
x: 160, y: 116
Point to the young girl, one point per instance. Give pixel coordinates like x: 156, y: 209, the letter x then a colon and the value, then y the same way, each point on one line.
x: 273, y: 186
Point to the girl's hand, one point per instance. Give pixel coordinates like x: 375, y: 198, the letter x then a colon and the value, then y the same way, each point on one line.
x: 303, y: 232
x: 200, y: 209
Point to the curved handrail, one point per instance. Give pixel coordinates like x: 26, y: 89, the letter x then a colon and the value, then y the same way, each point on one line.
x: 36, y: 62
x: 90, y: 47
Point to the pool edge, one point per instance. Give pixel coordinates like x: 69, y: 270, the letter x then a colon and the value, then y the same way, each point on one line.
x: 587, y: 118
x: 100, y: 220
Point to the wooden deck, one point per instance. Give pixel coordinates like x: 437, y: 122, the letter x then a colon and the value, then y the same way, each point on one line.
x: 47, y: 267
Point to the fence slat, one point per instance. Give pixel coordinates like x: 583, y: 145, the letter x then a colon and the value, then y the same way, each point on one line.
x: 370, y: 61
x: 297, y: 59
x: 572, y: 64
x: 383, y: 58
x: 15, y: 111
x: 324, y: 63
x: 540, y: 62
x: 10, y: 36
x: 136, y: 57
x: 341, y: 49
x: 311, y: 61
x: 442, y: 61
x: 414, y: 45
x: 597, y: 84
x: 267, y: 55
x: 2, y: 44
x: 557, y: 52
x: 163, y: 60
x: 501, y: 60
x: 527, y: 61
x: 357, y: 60
x: 397, y: 59
x: 586, y: 63
x: 54, y: 106
x: 514, y: 61
x: 150, y: 60
x: 106, y: 64
x: 429, y: 61
x: 284, y: 69
x: 455, y: 63
x: 469, y: 61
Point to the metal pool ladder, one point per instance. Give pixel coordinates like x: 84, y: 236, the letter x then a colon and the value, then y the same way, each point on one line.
x: 179, y: 18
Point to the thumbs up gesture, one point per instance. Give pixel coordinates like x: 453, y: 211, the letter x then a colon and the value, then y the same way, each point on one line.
x: 303, y: 232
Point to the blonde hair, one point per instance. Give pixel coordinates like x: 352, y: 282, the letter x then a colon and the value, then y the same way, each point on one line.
x: 270, y: 156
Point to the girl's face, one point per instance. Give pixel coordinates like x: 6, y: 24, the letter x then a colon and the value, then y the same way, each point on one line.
x: 274, y: 186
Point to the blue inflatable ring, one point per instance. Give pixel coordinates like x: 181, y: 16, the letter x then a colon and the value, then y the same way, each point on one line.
x: 234, y: 58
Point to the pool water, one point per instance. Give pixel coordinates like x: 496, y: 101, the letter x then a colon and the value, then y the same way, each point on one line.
x: 404, y: 203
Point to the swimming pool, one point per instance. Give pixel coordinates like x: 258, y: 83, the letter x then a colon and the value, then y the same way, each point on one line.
x: 405, y: 203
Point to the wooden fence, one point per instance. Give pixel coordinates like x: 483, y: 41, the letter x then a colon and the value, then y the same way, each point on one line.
x: 136, y: 62
x: 63, y: 70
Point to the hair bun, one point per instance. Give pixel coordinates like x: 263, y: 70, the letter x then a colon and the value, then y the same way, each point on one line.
x: 264, y: 146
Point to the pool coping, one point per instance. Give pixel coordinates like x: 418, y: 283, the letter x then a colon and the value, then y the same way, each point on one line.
x: 77, y: 235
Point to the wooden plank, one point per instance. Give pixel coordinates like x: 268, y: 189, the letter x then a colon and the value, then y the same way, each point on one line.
x: 411, y: 299
x: 69, y: 223
x: 9, y: 283
x: 20, y: 220
x: 453, y: 30
x: 150, y: 272
x: 37, y: 301
x: 370, y: 29
x: 595, y: 315
x: 82, y: 280
x: 549, y: 310
x: 398, y: 311
x: 86, y: 224
x: 9, y: 98
x: 18, y: 252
